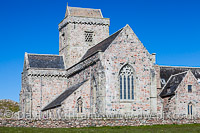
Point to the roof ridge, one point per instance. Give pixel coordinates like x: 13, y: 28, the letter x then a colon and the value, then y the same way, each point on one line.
x: 83, y: 8
x: 179, y: 73
x: 85, y: 12
x: 170, y: 79
x: 168, y: 83
x: 178, y: 66
x: 43, y: 54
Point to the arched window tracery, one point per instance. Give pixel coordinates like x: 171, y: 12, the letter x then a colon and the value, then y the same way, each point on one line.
x: 126, y: 79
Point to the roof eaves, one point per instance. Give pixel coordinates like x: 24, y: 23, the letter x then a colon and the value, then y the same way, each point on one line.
x: 177, y: 66
x: 44, y: 54
x: 37, y: 68
x: 48, y: 106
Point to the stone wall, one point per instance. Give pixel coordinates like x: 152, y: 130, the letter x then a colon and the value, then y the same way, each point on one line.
x: 91, y: 122
x: 70, y: 105
x: 83, y: 70
x: 25, y: 93
x: 159, y: 102
x: 178, y: 104
x: 72, y: 34
x: 127, y: 49
x: 91, y: 69
x: 41, y: 87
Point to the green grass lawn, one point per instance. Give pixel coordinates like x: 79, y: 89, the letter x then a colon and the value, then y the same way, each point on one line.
x: 188, y: 128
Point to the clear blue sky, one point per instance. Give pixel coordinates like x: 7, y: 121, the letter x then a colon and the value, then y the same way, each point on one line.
x: 170, y: 28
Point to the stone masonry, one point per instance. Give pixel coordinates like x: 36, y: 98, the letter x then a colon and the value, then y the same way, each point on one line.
x: 95, y: 73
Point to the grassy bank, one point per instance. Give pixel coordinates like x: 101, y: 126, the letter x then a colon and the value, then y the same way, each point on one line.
x: 141, y: 129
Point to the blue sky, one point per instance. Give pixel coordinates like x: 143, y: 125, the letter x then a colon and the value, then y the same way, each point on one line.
x: 169, y: 28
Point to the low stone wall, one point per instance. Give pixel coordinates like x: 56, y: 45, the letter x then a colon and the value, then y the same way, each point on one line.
x: 90, y: 122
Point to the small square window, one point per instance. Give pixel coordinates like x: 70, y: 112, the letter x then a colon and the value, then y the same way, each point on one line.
x: 88, y: 36
x: 189, y: 88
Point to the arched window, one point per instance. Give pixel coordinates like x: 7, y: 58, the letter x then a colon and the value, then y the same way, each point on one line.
x: 126, y: 80
x: 190, y: 109
x: 80, y: 105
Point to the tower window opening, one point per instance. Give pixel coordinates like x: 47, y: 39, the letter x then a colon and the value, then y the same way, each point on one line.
x: 89, y: 36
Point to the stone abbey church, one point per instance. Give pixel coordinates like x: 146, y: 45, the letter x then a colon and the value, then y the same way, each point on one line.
x: 95, y: 73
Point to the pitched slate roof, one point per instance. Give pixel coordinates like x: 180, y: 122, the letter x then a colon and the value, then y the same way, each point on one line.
x: 57, y: 102
x: 45, y: 61
x: 167, y: 71
x: 102, y: 46
x: 172, y: 84
x: 83, y: 12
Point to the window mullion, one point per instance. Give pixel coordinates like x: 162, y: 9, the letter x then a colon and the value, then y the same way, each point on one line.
x: 126, y: 86
x: 123, y: 87
x: 132, y: 86
x: 129, y: 87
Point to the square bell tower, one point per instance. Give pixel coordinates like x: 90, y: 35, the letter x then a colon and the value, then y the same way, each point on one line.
x: 81, y: 29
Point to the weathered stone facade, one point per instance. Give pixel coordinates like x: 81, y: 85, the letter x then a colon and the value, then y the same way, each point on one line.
x: 40, y: 86
x: 95, y: 73
x: 178, y: 104
x: 133, y: 53
x: 73, y: 30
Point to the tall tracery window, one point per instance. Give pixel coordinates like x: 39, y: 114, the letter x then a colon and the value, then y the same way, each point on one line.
x: 126, y: 80
x: 80, y: 105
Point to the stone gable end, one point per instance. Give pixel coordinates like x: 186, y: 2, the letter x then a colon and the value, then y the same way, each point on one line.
x: 184, y: 97
x: 127, y: 49
x: 178, y: 103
